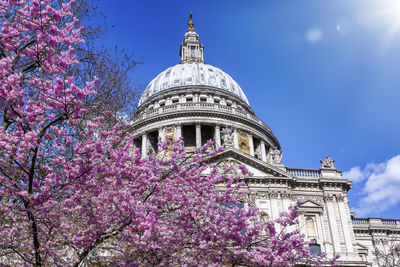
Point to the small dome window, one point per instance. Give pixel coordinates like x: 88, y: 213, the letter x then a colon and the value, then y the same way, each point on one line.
x: 233, y: 87
x: 210, y: 70
x: 176, y: 81
x: 213, y: 81
x: 223, y: 83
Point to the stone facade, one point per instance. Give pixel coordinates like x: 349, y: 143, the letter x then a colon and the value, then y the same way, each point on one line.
x: 199, y: 102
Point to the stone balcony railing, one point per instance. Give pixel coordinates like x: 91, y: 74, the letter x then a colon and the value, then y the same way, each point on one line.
x: 304, y: 173
x: 200, y: 107
x: 375, y: 222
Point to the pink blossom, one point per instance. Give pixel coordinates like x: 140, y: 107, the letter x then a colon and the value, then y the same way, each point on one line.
x: 66, y: 197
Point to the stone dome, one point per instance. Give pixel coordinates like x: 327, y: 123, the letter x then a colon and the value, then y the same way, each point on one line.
x: 192, y: 74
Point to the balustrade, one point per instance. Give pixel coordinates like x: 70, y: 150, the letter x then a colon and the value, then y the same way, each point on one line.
x: 376, y: 222
x: 304, y: 172
x: 202, y: 106
x: 360, y: 221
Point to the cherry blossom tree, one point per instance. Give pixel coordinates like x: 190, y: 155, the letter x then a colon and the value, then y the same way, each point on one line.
x: 69, y: 201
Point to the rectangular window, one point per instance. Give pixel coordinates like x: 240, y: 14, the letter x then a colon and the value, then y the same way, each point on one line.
x: 192, y: 51
x: 315, y: 249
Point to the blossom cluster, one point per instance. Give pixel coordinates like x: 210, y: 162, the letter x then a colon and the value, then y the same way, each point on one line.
x: 74, y: 195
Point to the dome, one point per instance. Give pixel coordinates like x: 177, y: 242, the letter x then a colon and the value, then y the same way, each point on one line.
x: 192, y: 74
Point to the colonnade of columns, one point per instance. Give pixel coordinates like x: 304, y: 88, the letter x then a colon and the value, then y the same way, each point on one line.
x: 261, y: 147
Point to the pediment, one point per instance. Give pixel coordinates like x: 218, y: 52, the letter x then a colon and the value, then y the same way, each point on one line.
x: 310, y: 206
x: 234, y: 158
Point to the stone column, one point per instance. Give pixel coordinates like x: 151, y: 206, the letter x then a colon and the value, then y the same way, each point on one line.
x: 217, y: 136
x: 251, y: 144
x: 160, y: 133
x: 158, y: 138
x: 178, y: 130
x: 263, y: 152
x: 198, y: 134
x: 144, y: 145
x: 235, y: 139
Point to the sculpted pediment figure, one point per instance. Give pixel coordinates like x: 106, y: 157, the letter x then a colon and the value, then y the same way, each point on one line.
x: 327, y: 163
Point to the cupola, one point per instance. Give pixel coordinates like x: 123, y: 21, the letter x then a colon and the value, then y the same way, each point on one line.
x: 191, y: 49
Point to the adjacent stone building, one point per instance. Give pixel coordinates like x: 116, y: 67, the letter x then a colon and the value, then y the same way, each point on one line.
x: 199, y: 102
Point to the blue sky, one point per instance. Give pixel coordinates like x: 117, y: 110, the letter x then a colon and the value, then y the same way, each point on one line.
x: 324, y: 75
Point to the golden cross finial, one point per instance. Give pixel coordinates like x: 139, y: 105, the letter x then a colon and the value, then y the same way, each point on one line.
x: 190, y: 23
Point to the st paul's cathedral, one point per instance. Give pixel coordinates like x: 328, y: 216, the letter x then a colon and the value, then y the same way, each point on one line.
x: 198, y: 102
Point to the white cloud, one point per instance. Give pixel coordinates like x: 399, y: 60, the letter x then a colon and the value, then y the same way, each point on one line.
x: 313, y: 35
x: 354, y: 174
x: 382, y: 185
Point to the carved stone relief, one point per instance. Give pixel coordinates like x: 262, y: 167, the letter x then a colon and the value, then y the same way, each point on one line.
x: 339, y: 198
x: 229, y: 166
x: 227, y: 137
x: 287, y: 195
x: 318, y: 199
x: 274, y: 194
x: 274, y: 156
x: 329, y: 197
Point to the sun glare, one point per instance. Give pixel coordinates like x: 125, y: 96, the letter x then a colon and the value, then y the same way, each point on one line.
x: 384, y: 16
